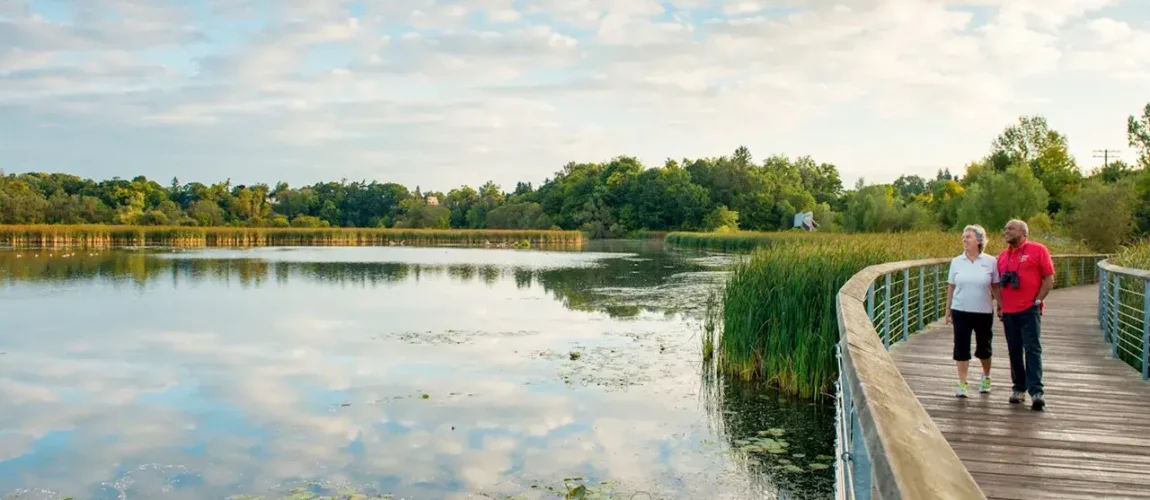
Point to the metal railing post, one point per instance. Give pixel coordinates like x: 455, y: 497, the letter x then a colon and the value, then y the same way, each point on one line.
x: 1116, y: 327
x: 1146, y: 329
x: 905, y: 303
x: 870, y: 301
x: 886, y: 313
x: 1082, y: 269
x: 1102, y: 303
x: 921, y: 295
x: 939, y: 294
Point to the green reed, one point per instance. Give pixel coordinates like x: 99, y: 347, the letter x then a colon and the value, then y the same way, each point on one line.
x: 1136, y: 256
x: 779, y: 314
x: 102, y: 236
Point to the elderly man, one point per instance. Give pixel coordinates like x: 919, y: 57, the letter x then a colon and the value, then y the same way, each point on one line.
x: 1026, y: 273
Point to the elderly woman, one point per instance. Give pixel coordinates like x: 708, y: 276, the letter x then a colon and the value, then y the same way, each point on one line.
x: 972, y: 284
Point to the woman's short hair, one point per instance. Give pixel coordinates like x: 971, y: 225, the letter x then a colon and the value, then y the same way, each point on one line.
x: 979, y: 234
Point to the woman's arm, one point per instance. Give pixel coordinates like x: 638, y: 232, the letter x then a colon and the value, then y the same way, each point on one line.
x: 996, y: 292
x: 949, y: 296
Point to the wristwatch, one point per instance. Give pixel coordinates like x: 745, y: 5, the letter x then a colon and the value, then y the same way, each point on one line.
x: 1037, y: 302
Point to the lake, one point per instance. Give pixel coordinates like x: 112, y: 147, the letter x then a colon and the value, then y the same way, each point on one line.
x: 384, y: 371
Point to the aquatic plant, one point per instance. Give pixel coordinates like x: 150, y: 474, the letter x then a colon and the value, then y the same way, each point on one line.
x: 102, y: 236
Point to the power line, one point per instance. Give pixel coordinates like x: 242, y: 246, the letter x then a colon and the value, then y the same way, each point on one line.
x: 1105, y: 155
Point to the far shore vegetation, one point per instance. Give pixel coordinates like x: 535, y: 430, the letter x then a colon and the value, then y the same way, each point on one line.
x: 103, y: 236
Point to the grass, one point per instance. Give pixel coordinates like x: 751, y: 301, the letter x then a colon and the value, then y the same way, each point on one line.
x: 778, y: 310
x: 103, y: 236
x: 1135, y: 256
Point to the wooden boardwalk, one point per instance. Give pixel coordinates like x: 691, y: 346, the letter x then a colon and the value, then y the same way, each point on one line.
x: 1091, y: 442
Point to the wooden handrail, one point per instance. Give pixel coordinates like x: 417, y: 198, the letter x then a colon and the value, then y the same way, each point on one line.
x: 909, y: 456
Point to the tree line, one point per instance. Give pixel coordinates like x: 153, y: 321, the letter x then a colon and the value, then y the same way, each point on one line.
x: 1027, y: 173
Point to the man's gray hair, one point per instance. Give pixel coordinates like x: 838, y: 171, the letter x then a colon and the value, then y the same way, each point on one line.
x: 979, y: 234
x: 1021, y: 225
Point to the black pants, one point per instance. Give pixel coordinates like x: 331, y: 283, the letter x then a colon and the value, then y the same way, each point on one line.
x: 964, y: 324
x: 1023, y: 331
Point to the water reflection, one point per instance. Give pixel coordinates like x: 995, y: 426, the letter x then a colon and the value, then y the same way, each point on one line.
x: 434, y: 375
x: 618, y: 286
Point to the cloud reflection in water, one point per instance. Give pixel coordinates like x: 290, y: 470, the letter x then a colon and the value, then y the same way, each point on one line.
x: 220, y: 374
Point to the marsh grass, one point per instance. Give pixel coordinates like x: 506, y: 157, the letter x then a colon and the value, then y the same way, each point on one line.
x: 102, y: 236
x: 1135, y: 256
x: 778, y: 308
x: 712, y: 316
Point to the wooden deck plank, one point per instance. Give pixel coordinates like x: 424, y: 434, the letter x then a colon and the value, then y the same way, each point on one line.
x: 1093, y: 440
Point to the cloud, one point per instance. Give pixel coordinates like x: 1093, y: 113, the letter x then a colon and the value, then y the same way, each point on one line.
x: 445, y: 93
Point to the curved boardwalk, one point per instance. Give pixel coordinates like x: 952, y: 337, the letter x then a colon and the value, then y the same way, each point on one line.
x: 1093, y: 439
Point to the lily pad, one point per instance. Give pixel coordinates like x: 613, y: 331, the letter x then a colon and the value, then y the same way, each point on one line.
x: 817, y: 466
x: 792, y: 468
x: 776, y: 432
x: 824, y: 457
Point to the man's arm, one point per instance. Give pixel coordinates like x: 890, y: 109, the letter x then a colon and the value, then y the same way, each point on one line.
x: 1047, y: 285
x: 1046, y: 267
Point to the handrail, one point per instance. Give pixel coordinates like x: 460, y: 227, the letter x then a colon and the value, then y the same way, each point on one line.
x: 1124, y: 314
x: 888, y: 446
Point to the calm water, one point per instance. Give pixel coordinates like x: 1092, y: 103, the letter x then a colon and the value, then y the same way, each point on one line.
x: 417, y: 373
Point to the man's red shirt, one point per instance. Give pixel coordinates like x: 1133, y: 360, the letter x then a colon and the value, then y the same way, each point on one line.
x: 1032, y: 261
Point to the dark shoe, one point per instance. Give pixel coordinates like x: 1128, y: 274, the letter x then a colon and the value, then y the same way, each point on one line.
x: 1017, y: 397
x: 1037, y: 403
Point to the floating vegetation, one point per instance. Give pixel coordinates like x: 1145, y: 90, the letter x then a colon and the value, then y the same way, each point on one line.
x: 456, y: 337
x: 578, y: 488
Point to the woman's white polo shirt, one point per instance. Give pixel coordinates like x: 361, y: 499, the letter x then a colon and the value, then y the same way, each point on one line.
x: 971, y: 282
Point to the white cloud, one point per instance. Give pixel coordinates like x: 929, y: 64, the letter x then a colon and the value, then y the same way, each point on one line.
x: 427, y: 92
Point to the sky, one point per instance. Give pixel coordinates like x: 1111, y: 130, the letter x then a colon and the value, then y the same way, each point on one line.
x: 442, y: 93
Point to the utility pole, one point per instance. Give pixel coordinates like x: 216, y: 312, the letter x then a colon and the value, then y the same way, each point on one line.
x: 1105, y: 155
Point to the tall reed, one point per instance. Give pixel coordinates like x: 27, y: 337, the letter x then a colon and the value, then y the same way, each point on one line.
x: 101, y: 236
x: 1135, y: 256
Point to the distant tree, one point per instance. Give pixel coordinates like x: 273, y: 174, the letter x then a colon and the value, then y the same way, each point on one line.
x: 1000, y: 196
x: 1138, y: 135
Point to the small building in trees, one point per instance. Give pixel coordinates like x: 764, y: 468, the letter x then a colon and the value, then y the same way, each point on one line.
x: 806, y: 220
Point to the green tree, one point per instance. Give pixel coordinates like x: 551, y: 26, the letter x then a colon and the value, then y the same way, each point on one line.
x: 1033, y: 143
x: 1138, y: 135
x: 1103, y: 215
x: 722, y: 219
x: 1001, y: 196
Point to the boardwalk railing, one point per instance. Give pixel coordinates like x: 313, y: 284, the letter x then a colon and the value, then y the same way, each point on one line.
x: 888, y: 446
x: 1124, y: 314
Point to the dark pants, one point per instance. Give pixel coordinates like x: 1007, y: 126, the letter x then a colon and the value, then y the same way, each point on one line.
x: 1022, y: 331
x: 966, y: 323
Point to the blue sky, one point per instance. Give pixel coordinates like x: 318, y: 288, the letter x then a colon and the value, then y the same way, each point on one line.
x: 443, y: 93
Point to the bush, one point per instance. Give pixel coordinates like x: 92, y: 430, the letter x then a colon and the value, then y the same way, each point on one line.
x: 1040, y: 224
x: 1103, y: 216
